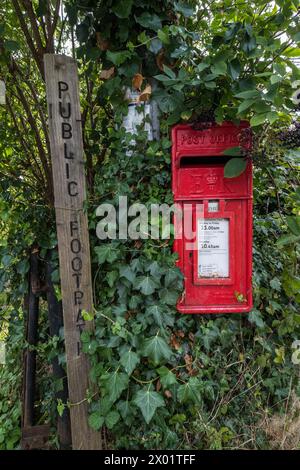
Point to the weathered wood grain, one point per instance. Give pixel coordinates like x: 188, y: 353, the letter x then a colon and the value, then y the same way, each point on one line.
x: 72, y: 231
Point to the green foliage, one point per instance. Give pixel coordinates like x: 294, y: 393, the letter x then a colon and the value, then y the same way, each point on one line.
x: 232, y: 59
x: 164, y: 380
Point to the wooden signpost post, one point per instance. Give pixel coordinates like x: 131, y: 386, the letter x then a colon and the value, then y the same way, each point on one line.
x: 72, y: 231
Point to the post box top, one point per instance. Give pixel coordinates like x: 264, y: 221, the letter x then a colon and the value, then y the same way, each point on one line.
x: 213, y: 141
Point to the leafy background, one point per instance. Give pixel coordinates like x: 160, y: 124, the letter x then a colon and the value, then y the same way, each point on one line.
x: 165, y: 380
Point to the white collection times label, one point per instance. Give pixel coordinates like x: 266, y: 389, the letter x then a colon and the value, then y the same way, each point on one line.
x: 213, y: 248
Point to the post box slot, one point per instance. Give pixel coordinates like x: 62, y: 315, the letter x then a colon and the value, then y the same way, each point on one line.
x: 190, y: 162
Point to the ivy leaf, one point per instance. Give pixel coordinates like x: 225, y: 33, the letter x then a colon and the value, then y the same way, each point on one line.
x: 150, y: 21
x: 155, y: 45
x: 118, y: 58
x: 146, y: 285
x: 111, y: 419
x: 96, y: 421
x: 156, y: 349
x: 190, y: 391
x: 235, y: 167
x: 168, y: 296
x: 124, y: 408
x: 148, y: 402
x: 186, y: 10
x: 122, y: 8
x: 107, y: 253
x: 163, y: 36
x: 161, y: 317
x: 172, y: 275
x: 127, y: 272
x: 167, y: 377
x: 115, y: 383
x: 255, y: 318
x: 129, y: 361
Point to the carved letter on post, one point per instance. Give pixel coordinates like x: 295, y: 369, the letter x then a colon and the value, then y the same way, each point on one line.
x: 72, y: 231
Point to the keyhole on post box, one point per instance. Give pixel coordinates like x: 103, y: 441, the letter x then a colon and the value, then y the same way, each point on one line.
x: 213, y: 206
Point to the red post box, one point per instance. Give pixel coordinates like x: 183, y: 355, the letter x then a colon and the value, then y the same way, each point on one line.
x: 213, y: 237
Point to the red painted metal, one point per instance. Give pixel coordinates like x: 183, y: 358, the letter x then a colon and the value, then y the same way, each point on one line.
x: 197, y: 178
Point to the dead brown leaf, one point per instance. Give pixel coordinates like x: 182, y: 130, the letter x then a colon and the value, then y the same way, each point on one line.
x: 137, y: 81
x: 174, y: 342
x: 146, y: 93
x: 106, y: 74
x: 102, y: 43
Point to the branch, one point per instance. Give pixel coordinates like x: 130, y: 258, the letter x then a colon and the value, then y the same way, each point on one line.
x: 29, y: 40
x: 35, y: 29
x: 54, y: 24
x: 39, y: 143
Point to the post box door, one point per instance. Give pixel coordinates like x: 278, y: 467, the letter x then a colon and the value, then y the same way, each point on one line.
x: 214, y: 264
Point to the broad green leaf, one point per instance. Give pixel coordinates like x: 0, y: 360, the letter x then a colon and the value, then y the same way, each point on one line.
x: 128, y: 273
x: 106, y: 252
x: 111, y: 419
x: 190, y: 391
x: 155, y: 45
x: 219, y: 68
x: 293, y: 222
x: 118, y: 58
x: 169, y: 72
x: 172, y: 275
x: 258, y: 119
x: 272, y: 117
x: 167, y: 377
x: 168, y: 296
x: 292, y: 52
x: 124, y: 408
x: 234, y: 68
x: 11, y: 46
x: 255, y: 318
x: 96, y: 421
x: 148, y: 401
x: 245, y: 105
x: 202, y: 66
x: 23, y: 267
x: 129, y: 361
x: 157, y: 349
x: 249, y: 94
x: 122, y: 8
x: 183, y: 8
x: 288, y: 240
x: 146, y: 285
x: 115, y: 383
x: 235, y: 167
x: 261, y: 107
x: 161, y: 317
x: 150, y: 21
x: 233, y: 151
x: 275, y: 284
x: 163, y: 36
